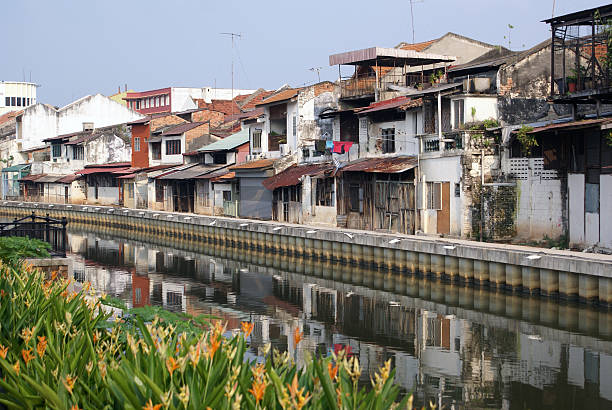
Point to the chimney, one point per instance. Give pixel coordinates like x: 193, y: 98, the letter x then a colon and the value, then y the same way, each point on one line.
x: 119, y: 89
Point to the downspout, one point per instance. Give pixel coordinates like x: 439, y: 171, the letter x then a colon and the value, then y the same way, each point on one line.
x: 440, y: 121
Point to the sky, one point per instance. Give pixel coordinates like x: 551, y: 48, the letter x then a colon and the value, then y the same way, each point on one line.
x: 75, y: 48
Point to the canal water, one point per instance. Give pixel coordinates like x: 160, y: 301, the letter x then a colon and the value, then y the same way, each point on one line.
x: 451, y: 344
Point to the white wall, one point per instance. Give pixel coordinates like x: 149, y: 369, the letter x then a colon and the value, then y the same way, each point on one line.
x: 406, y: 131
x: 211, y: 93
x: 181, y: 98
x: 172, y: 159
x: 539, y: 208
x: 605, y: 208
x: 486, y: 107
x: 445, y: 169
x: 100, y: 110
x: 37, y: 123
x: 106, y: 195
x: 575, y: 183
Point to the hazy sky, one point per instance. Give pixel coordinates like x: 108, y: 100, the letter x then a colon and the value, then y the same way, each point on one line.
x: 74, y: 48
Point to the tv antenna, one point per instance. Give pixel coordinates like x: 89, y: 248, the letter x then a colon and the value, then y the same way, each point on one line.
x: 412, y: 16
x: 233, y: 36
x: 318, y: 70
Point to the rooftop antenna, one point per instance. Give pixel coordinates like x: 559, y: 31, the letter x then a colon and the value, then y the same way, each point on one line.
x: 412, y: 16
x: 233, y: 35
x: 318, y: 70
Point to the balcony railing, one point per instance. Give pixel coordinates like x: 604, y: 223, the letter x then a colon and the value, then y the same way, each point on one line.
x: 365, y: 85
x: 452, y: 140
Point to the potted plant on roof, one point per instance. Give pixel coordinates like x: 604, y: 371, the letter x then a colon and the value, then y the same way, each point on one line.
x: 571, y: 83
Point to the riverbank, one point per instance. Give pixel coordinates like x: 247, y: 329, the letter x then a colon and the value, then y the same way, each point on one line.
x: 544, y: 272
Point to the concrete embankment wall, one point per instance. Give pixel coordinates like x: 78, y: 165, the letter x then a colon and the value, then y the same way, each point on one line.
x: 549, y: 273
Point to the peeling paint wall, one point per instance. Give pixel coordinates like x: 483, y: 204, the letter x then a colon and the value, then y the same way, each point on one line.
x: 540, y: 209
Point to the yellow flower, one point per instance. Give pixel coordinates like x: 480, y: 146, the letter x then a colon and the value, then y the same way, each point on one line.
x: 194, y: 354
x: 3, y: 351
x: 166, y: 398
x: 102, y: 367
x: 89, y: 367
x: 297, y: 397
x: 69, y: 383
x: 258, y: 389
x: 150, y: 406
x: 16, y: 367
x: 26, y: 334
x: 184, y: 395
x: 247, y: 328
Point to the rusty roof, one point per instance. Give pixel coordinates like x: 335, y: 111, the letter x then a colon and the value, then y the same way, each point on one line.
x: 390, y: 57
x: 385, y: 105
x: 293, y: 175
x: 280, y: 96
x: 569, y: 125
x: 181, y: 128
x: 9, y: 116
x: 388, y: 165
x: 260, y: 163
x: 418, y: 46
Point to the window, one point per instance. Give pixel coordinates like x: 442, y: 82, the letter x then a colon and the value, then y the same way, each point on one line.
x: 173, y: 147
x: 294, y: 125
x: 137, y: 144
x: 458, y: 108
x: 355, y: 198
x: 56, y: 150
x: 137, y: 295
x: 130, y: 190
x: 388, y: 140
x: 13, y: 101
x: 227, y: 196
x: 325, y: 191
x: 7, y: 101
x: 157, y: 101
x: 434, y: 195
x: 257, y: 138
x: 78, y: 152
x: 137, y: 104
x: 457, y: 190
x: 18, y: 101
x: 219, y: 158
x: 159, y: 192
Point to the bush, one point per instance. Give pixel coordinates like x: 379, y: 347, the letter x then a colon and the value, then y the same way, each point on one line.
x: 58, y: 350
x: 13, y: 249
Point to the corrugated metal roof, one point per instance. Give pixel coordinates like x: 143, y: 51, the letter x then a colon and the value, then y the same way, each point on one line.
x: 191, y: 172
x: 31, y: 177
x: 388, y: 165
x: 386, y: 105
x: 181, y: 128
x: 68, y: 179
x: 228, y: 143
x: 292, y: 175
x: 221, y: 170
x: 258, y: 164
x: 49, y: 178
x: 570, y: 125
x: 387, y: 57
x: 98, y: 170
x: 225, y: 177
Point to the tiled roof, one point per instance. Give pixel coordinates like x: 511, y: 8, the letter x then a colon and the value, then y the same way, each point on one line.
x: 280, y: 96
x: 418, y: 46
x: 292, y: 175
x: 181, y: 128
x: 256, y: 99
x: 225, y: 106
x: 260, y: 163
x: 9, y: 116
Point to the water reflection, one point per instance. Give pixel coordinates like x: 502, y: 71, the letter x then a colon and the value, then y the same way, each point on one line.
x: 454, y: 345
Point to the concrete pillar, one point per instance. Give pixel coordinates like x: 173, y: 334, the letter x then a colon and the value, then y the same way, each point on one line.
x: 424, y: 263
x: 451, y: 267
x: 308, y: 248
x: 368, y: 255
x: 317, y: 246
x: 388, y: 258
x: 549, y: 282
x: 588, y: 288
x: 356, y: 254
x: 549, y: 312
x: 466, y: 297
x: 568, y: 317
x: 399, y: 260
x: 327, y: 250
x: 300, y: 248
x: 481, y: 272
x: 412, y: 261
x: 605, y: 291
x: 530, y: 279
x: 379, y: 258
x: 437, y: 264
x: 466, y: 269
x: 336, y: 254
x: 497, y: 275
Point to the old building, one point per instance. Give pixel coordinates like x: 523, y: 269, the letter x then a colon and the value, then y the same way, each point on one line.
x: 16, y: 95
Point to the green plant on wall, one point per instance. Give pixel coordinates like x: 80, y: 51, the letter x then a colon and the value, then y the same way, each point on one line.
x: 474, y: 114
x: 527, y: 140
x: 608, y: 138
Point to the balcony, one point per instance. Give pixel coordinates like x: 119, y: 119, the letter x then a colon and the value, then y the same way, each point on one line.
x: 364, y: 85
x: 452, y: 140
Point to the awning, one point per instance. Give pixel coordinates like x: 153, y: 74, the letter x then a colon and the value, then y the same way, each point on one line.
x: 293, y: 175
x: 16, y: 168
x: 387, y: 165
x: 49, y: 178
x: 128, y: 176
x: 191, y: 172
x: 69, y: 179
x: 31, y: 177
x: 435, y: 90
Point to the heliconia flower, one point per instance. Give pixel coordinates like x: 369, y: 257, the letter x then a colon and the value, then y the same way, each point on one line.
x: 297, y: 336
x: 297, y: 394
x: 3, y: 351
x: 171, y: 365
x: 213, y: 345
x: 166, y: 398
x: 247, y: 328
x: 184, y: 395
x: 26, y: 334
x: 27, y: 355
x: 102, y: 367
x: 69, y: 383
x: 54, y: 275
x: 332, y: 370
x: 194, y: 354
x: 16, y: 367
x: 258, y: 389
x: 42, y: 346
x: 150, y: 406
x: 89, y: 367
x: 74, y: 407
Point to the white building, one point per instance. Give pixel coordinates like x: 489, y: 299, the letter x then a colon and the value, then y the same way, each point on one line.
x: 16, y: 95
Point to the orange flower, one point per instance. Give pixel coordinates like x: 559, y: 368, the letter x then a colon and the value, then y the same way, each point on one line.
x: 150, y: 406
x: 297, y: 336
x: 16, y: 367
x: 171, y: 365
x: 258, y: 389
x: 333, y: 371
x: 54, y: 275
x: 3, y: 351
x: 26, y: 334
x: 27, y: 355
x: 247, y: 328
x: 297, y: 395
x: 213, y: 345
x: 42, y: 345
x: 69, y: 383
x: 74, y: 407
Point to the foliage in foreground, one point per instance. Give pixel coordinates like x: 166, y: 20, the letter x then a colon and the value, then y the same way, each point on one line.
x: 58, y: 351
x: 13, y: 249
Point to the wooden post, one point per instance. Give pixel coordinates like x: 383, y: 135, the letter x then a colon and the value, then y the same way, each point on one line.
x: 552, y: 61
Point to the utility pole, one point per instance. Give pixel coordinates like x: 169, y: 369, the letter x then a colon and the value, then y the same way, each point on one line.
x: 412, y: 15
x: 233, y: 35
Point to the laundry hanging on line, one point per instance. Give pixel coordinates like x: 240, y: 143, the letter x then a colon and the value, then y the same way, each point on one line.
x: 341, y: 147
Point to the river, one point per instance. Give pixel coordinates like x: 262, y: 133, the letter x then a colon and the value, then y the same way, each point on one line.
x: 452, y: 344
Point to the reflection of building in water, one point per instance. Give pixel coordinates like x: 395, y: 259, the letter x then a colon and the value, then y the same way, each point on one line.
x: 462, y: 357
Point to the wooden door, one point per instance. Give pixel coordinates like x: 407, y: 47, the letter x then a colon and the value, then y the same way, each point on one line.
x: 444, y: 213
